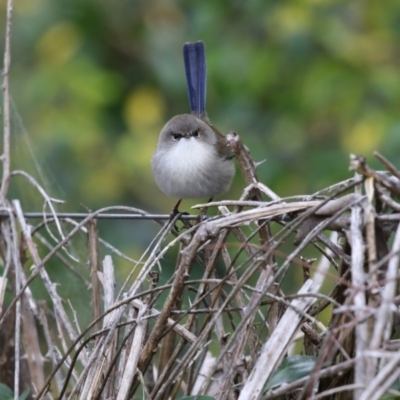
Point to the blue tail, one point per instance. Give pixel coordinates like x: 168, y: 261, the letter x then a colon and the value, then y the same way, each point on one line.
x: 194, y: 56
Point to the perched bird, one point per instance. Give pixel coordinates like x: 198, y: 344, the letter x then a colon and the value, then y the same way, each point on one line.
x: 192, y: 158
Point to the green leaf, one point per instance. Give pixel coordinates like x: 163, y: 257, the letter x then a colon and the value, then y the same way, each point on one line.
x: 291, y: 369
x: 6, y: 393
x: 392, y: 396
x: 24, y: 395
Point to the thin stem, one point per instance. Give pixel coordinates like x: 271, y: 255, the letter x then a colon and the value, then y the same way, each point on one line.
x: 6, y: 157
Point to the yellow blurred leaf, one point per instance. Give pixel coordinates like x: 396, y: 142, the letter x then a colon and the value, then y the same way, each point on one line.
x: 59, y: 43
x: 144, y: 107
x: 291, y: 19
x: 366, y: 134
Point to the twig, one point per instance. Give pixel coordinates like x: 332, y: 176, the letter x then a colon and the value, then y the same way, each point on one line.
x: 136, y: 352
x: 384, y: 319
x: 6, y: 156
x: 93, y: 254
x: 357, y: 273
x: 326, y: 372
x: 273, y: 350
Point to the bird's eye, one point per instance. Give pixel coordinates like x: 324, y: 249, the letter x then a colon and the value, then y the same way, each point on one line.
x: 176, y: 136
x: 195, y: 133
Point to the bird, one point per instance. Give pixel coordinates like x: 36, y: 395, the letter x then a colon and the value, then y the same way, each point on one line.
x: 192, y: 158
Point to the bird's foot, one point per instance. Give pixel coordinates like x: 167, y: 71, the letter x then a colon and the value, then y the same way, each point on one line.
x: 176, y: 215
x: 203, y: 212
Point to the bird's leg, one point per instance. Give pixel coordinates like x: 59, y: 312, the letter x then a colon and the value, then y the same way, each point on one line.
x: 203, y: 212
x: 175, y: 212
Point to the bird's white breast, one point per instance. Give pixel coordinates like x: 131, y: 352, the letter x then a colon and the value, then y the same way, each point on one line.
x: 189, y: 156
x: 191, y: 168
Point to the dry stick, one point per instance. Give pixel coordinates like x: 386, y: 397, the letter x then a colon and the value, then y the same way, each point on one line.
x: 187, y: 258
x: 114, y: 360
x: 167, y: 344
x: 212, y: 227
x: 32, y: 351
x: 245, y: 162
x: 385, y: 197
x: 187, y: 335
x: 248, y: 169
x: 126, y: 343
x: 275, y: 347
x: 3, y: 286
x: 130, y: 300
x: 97, y: 353
x: 228, y: 262
x: 314, y: 233
x: 118, y: 314
x: 383, y: 315
x: 174, y: 293
x: 188, y: 254
x: 59, y: 311
x: 70, y: 267
x: 47, y: 200
x: 344, y: 388
x: 285, y: 389
x: 244, y: 245
x: 357, y: 274
x: 84, y: 230
x: 383, y: 380
x: 29, y: 331
x: 6, y: 159
x: 242, y: 217
x: 216, y: 294
x: 156, y: 244
x: 54, y: 250
x: 93, y: 250
x: 17, y: 333
x: 95, y: 377
x: 103, y: 242
x: 125, y: 346
x: 390, y: 167
x: 219, y: 288
x: 210, y: 265
x: 108, y: 282
x: 53, y: 353
x: 6, y: 156
x: 135, y: 354
x: 369, y: 217
x: 180, y: 345
x: 71, y: 369
x: 217, y: 298
x: 360, y: 165
x: 6, y: 250
x: 330, y: 346
x: 264, y: 282
x: 219, y: 247
x: 200, y: 236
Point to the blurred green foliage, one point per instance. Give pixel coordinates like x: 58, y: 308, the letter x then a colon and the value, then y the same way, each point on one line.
x: 304, y: 83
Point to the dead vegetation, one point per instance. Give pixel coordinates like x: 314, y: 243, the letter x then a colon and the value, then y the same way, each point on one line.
x: 233, y: 333
x: 230, y: 339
